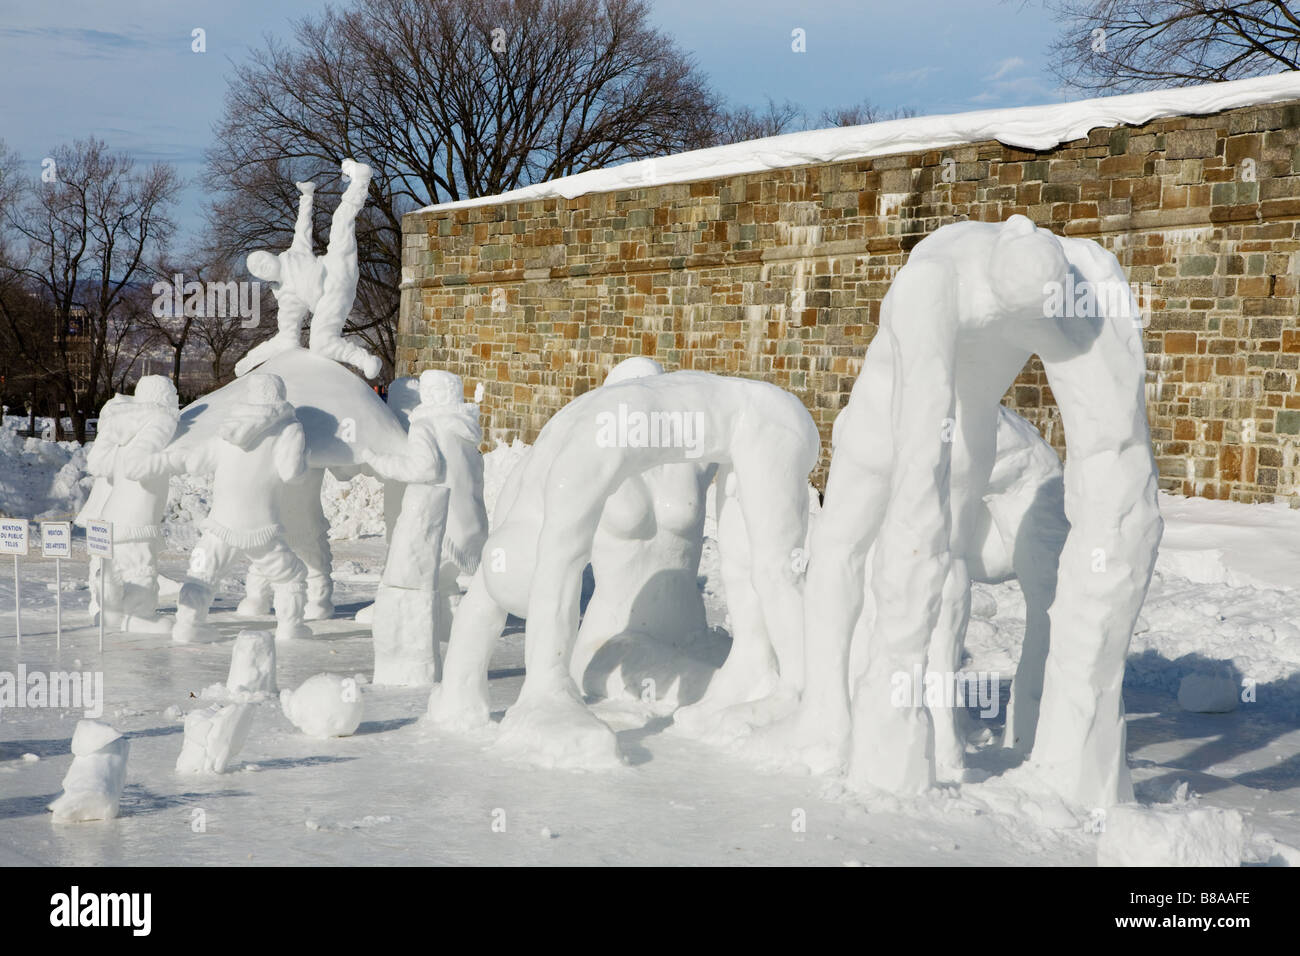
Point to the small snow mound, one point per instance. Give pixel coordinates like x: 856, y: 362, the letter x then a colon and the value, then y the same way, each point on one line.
x: 1171, y: 836
x: 1207, y: 694
x: 326, y: 705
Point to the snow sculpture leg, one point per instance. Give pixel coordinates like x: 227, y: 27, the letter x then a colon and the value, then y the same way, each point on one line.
x: 213, y: 738
x: 549, y: 721
x: 209, y: 561
x: 912, y: 557
x: 307, y: 534
x: 291, y: 309
x: 252, y: 665
x: 1115, y: 527
x: 405, y: 615
x: 341, y: 275
x: 857, y: 492
x: 460, y: 701
x: 92, y: 788
x: 135, y: 568
x: 750, y: 672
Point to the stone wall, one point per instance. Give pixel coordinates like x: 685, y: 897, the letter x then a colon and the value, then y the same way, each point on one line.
x: 779, y: 275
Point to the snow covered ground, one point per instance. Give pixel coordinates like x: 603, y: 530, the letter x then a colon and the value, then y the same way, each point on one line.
x: 1225, y: 601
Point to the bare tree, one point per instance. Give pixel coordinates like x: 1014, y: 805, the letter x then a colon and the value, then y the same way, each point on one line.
x: 445, y: 99
x: 1117, y: 45
x: 860, y: 114
x: 83, y: 233
x: 741, y: 123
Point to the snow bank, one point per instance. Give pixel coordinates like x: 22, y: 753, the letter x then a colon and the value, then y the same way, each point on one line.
x: 1151, y: 836
x: 41, y: 480
x: 1029, y: 127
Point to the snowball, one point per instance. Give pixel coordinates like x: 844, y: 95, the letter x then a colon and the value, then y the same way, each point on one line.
x: 92, y: 788
x: 1151, y: 836
x: 1207, y: 694
x: 324, y: 706
x: 252, y: 664
x: 213, y: 737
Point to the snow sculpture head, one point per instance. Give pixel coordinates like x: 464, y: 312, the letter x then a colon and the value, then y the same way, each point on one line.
x: 263, y: 265
x: 636, y: 367
x: 441, y: 388
x: 262, y: 389
x: 1024, y: 263
x: 156, y: 390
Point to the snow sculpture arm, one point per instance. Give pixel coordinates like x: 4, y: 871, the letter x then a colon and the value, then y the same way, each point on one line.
x: 291, y: 454
x: 421, y: 463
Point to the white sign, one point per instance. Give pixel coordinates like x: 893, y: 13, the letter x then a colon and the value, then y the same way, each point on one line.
x: 56, y: 539
x: 99, y: 538
x: 13, y: 536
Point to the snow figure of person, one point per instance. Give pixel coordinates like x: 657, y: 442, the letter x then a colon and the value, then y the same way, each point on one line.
x: 259, y: 452
x: 913, y: 452
x: 99, y: 464
x: 324, y: 286
x: 136, y: 431
x: 764, y: 444
x: 644, y: 628
x: 306, y: 530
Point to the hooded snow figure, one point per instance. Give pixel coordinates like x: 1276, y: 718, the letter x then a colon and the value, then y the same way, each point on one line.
x: 137, y: 429
x: 259, y: 450
x: 99, y: 464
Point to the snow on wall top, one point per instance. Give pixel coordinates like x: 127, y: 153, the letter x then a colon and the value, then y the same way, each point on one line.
x: 1027, y: 127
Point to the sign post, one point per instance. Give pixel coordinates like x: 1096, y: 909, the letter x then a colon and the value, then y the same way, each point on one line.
x: 99, y: 544
x: 13, y: 540
x: 56, y: 543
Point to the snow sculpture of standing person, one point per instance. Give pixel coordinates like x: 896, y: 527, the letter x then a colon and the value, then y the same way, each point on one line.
x: 138, y: 430
x: 325, y: 286
x: 259, y: 451
x: 99, y: 463
x: 408, y: 608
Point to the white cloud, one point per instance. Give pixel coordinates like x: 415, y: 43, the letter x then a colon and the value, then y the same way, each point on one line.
x: 1006, y: 66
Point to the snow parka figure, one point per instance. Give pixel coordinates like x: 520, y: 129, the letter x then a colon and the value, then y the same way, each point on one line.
x: 99, y: 463
x: 261, y: 450
x: 137, y: 430
x: 325, y: 286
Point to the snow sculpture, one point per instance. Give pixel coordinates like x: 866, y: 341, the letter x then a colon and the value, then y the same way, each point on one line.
x: 973, y: 303
x: 252, y: 665
x: 213, y: 738
x: 306, y: 531
x: 647, y: 614
x: 456, y: 429
x: 99, y: 464
x: 92, y: 788
x: 405, y: 626
x: 324, y: 706
x: 134, y: 430
x: 259, y: 449
x: 764, y: 443
x: 1018, y: 531
x: 325, y: 286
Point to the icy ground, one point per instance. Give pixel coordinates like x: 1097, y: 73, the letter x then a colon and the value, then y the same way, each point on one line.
x: 1225, y: 600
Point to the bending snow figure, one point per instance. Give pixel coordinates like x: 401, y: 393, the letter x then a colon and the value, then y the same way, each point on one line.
x: 959, y: 322
x: 325, y: 286
x: 764, y: 443
x: 645, y: 560
x: 136, y: 430
x: 259, y: 448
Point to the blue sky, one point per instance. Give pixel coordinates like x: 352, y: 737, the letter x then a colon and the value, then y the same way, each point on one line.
x: 124, y: 70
